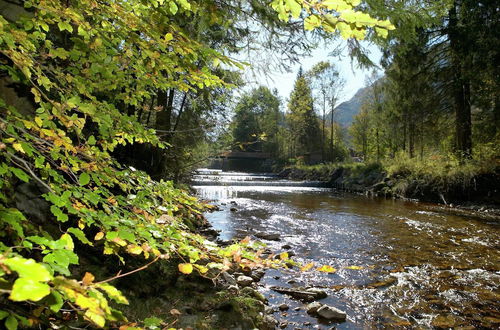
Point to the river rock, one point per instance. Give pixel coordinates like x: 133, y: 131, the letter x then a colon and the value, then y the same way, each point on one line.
x: 306, y: 294
x: 268, y: 236
x: 331, y: 313
x: 319, y: 294
x: 269, y: 322
x: 233, y: 209
x: 286, y: 247
x: 283, y: 307
x: 258, y: 274
x: 269, y: 310
x: 253, y: 293
x: 244, y: 280
x: 312, y: 308
x: 233, y: 289
x: 229, y: 279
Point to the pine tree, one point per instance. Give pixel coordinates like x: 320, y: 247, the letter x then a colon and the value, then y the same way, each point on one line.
x: 303, y: 124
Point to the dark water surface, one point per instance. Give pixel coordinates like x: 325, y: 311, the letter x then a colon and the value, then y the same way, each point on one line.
x: 420, y: 267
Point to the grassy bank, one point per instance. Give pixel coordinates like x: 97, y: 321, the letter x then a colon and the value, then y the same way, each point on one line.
x: 436, y: 178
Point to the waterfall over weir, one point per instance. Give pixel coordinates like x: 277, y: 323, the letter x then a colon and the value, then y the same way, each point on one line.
x: 209, y: 177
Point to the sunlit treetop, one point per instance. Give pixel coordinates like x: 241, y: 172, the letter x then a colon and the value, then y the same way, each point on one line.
x: 333, y: 16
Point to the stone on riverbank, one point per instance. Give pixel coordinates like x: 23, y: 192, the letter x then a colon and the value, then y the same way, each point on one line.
x: 244, y: 280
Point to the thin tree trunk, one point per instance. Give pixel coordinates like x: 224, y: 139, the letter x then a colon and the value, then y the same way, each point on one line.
x: 461, y: 86
x: 331, y: 135
x: 323, y: 130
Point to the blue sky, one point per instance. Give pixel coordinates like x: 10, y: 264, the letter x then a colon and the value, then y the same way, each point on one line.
x: 354, y: 77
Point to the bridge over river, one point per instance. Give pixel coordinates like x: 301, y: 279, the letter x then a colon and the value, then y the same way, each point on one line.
x: 242, y: 161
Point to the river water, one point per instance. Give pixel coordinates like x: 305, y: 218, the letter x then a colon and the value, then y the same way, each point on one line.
x: 416, y: 265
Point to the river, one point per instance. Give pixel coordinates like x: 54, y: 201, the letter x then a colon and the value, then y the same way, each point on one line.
x: 415, y: 264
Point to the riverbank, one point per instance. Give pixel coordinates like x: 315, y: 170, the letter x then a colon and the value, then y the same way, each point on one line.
x: 470, y: 186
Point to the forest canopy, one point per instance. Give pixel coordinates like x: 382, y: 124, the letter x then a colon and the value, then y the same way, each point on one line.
x: 86, y: 84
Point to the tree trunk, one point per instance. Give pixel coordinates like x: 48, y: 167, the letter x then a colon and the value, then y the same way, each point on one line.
x: 461, y: 85
x: 323, y: 137
x: 164, y: 123
x: 331, y: 135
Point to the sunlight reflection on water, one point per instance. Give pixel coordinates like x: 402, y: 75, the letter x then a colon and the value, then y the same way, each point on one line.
x: 419, y: 267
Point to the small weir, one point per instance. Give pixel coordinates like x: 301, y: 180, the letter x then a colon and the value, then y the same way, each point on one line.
x: 398, y: 264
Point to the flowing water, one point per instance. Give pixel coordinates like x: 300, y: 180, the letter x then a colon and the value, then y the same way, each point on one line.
x: 417, y: 266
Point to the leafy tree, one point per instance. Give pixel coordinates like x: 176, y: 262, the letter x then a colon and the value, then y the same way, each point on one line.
x: 80, y: 79
x: 450, y: 36
x: 359, y: 131
x: 327, y: 85
x: 257, y: 120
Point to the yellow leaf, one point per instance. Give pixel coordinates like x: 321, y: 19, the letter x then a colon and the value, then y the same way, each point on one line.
x: 354, y: 267
x: 99, y: 236
x: 36, y: 94
x: 88, y: 278
x: 119, y: 241
x: 96, y: 318
x: 284, y: 255
x: 326, y: 269
x: 186, y: 268
x: 201, y: 269
x: 18, y: 147
x: 305, y: 268
x: 134, y: 249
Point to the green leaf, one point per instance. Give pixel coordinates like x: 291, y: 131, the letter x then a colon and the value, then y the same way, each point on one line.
x: 294, y: 7
x: 337, y: 5
x: 173, y: 8
x: 184, y: 4
x: 60, y: 260
x: 3, y: 314
x: 382, y: 32
x: 14, y: 218
x: 65, y: 26
x: 80, y: 235
x: 55, y: 301
x: 28, y: 268
x: 311, y: 22
x: 11, y: 323
x: 28, y: 289
x: 84, y: 179
x: 152, y: 322
x: 60, y: 215
x: 20, y: 174
x: 113, y: 293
